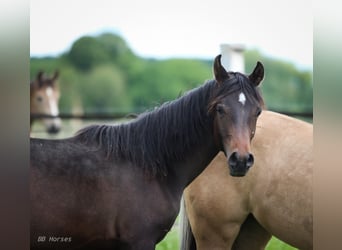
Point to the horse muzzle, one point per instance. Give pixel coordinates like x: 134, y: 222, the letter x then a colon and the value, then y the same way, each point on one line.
x: 240, y: 164
x: 53, y: 126
x: 53, y: 129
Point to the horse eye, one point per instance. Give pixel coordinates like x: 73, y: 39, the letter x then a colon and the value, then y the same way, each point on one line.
x: 39, y: 98
x: 220, y: 109
x: 252, y: 133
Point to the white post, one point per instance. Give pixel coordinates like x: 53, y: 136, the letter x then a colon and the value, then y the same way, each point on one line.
x: 232, y: 57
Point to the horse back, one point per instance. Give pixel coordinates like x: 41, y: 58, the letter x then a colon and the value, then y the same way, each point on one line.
x: 76, y: 190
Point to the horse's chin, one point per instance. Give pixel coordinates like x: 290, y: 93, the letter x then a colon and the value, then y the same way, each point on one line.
x: 238, y: 174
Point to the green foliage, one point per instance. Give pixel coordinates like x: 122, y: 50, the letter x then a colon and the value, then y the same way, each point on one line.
x: 171, y: 242
x: 48, y: 65
x: 102, y: 89
x: 88, y: 51
x: 284, y: 87
x: 165, y: 80
x: 101, y: 73
x: 68, y: 82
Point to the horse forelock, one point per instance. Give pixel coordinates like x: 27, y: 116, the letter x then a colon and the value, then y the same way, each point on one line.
x: 236, y: 83
x: 248, y: 88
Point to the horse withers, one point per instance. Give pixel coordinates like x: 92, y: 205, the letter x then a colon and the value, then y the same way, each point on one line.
x: 274, y: 198
x: 44, y: 97
x: 120, y: 187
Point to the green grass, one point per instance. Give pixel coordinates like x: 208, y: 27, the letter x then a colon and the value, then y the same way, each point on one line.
x: 171, y: 242
x: 276, y: 244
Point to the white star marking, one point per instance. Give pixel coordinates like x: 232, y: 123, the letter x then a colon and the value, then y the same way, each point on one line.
x: 242, y: 98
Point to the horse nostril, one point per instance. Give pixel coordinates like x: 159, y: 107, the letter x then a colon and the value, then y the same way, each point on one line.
x: 250, y: 160
x: 53, y: 129
x: 233, y: 159
x: 239, y: 164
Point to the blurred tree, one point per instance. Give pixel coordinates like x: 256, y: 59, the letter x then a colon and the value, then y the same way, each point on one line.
x: 102, y: 73
x: 102, y: 89
x: 89, y: 51
x: 47, y: 64
x: 166, y: 80
x: 86, y: 52
x: 284, y: 88
x: 116, y: 48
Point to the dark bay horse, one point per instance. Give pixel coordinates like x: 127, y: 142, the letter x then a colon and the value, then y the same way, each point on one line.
x: 119, y: 187
x: 274, y: 198
x: 44, y: 97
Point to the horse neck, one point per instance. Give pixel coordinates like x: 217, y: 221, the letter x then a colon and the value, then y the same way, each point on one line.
x: 187, y: 142
x: 175, y: 141
x: 186, y: 171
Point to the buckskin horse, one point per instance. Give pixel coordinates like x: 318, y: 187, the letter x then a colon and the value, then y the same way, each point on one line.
x: 44, y: 97
x: 119, y: 187
x: 274, y: 198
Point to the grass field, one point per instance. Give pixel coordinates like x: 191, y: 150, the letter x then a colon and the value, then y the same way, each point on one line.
x: 171, y: 242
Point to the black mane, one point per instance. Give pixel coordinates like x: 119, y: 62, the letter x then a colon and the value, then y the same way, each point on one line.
x: 157, y: 139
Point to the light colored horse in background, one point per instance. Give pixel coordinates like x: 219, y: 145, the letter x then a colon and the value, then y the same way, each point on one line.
x: 44, y: 97
x: 274, y: 198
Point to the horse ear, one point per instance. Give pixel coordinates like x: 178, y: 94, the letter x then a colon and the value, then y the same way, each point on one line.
x: 257, y: 75
x: 40, y: 79
x: 40, y: 76
x: 219, y: 72
x: 55, y: 76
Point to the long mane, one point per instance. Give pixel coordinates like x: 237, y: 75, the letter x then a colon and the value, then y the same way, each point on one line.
x: 159, y: 138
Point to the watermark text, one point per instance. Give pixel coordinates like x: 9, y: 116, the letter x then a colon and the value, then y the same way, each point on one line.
x: 54, y: 239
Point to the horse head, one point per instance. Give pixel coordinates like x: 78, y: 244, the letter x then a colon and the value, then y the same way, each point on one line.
x: 236, y: 105
x: 44, y: 97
